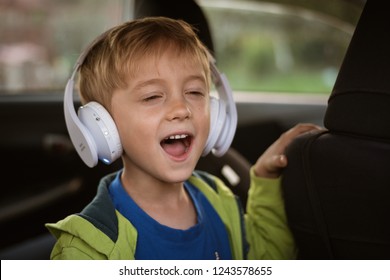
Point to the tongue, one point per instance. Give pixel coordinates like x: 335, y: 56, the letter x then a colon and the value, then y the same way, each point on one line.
x: 174, y: 148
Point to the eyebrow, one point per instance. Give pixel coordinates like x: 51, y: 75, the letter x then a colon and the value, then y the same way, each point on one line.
x: 196, y: 77
x: 147, y: 83
x: 157, y: 81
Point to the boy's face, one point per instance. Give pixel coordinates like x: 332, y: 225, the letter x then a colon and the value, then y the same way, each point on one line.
x: 163, y: 118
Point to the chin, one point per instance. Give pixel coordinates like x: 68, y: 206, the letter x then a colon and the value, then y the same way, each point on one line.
x: 178, y: 175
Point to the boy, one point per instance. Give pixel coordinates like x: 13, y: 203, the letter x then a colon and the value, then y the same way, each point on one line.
x: 153, y: 77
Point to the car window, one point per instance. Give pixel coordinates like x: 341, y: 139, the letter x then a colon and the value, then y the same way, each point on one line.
x: 41, y: 39
x: 272, y: 47
x: 261, y: 46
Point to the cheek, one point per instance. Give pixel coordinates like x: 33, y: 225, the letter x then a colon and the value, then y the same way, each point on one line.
x: 136, y: 139
x: 207, y: 115
x: 128, y: 125
x: 204, y: 120
x: 207, y: 122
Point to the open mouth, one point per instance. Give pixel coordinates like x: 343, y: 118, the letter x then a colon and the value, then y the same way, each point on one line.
x: 177, y: 145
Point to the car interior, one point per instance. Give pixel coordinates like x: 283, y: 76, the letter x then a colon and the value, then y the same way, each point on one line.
x: 324, y: 187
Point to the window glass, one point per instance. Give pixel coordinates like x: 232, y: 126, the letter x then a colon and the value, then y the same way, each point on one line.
x: 272, y: 47
x: 41, y: 39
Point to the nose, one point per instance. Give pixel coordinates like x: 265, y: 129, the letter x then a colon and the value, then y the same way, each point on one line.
x: 178, y: 109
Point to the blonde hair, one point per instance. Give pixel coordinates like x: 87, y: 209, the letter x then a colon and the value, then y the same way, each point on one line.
x: 115, y: 56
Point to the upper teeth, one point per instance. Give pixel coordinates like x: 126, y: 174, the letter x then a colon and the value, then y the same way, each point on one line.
x: 179, y: 136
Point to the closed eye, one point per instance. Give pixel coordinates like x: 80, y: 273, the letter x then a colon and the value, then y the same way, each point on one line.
x: 196, y: 93
x: 151, y: 98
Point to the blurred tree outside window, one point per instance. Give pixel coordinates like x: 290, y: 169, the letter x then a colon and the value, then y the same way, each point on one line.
x: 280, y: 47
x: 40, y: 40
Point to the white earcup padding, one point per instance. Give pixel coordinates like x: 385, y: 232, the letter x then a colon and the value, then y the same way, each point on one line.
x: 217, y: 120
x: 103, y: 129
x: 223, y: 115
x: 225, y: 137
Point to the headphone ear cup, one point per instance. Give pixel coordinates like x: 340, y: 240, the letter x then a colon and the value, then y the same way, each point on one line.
x: 217, y: 120
x: 226, y: 133
x: 103, y: 130
x: 223, y: 115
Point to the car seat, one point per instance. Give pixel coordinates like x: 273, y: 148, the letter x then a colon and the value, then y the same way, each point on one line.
x: 337, y: 184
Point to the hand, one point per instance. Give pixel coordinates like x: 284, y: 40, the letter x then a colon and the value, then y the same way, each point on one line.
x: 273, y: 160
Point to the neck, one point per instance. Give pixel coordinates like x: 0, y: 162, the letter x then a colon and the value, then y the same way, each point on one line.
x: 167, y: 203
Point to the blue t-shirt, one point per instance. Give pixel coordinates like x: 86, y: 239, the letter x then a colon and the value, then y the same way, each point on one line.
x: 208, y: 239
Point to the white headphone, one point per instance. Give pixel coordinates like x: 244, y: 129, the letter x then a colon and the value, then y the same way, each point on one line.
x: 94, y: 134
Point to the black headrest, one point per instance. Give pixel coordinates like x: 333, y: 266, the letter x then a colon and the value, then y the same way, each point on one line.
x: 360, y: 100
x: 187, y: 10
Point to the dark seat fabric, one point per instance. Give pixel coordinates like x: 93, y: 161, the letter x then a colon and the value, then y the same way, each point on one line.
x: 337, y: 184
x: 187, y: 10
x: 337, y: 199
x: 360, y: 99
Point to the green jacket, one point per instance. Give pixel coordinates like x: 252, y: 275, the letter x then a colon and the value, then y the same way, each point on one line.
x: 101, y: 232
